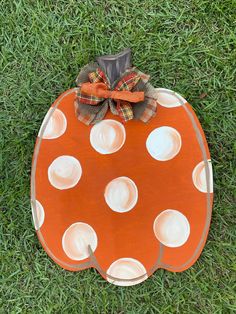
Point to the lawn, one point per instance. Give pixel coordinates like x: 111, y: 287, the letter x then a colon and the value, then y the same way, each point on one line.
x: 186, y: 46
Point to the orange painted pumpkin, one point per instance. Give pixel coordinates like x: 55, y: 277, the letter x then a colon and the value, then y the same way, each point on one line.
x: 126, y: 199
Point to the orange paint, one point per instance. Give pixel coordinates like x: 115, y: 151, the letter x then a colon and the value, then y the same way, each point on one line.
x: 161, y: 185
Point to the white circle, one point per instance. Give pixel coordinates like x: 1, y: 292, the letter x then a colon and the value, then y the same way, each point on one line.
x: 171, y: 228
x: 38, y: 215
x: 168, y: 98
x: 121, y: 194
x: 126, y: 268
x: 107, y: 136
x: 199, y: 176
x: 56, y: 125
x: 164, y: 143
x: 64, y: 172
x: 76, y: 240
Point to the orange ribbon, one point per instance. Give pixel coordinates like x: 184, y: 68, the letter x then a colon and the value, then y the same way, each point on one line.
x: 101, y: 90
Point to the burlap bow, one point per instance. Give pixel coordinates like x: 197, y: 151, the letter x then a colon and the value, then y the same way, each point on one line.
x: 129, y: 97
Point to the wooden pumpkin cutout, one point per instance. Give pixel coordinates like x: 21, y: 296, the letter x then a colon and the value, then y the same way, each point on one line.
x: 124, y: 198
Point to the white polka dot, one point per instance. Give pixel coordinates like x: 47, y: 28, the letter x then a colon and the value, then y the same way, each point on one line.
x: 77, y: 238
x: 38, y: 215
x: 171, y: 228
x: 64, y: 172
x: 169, y: 99
x: 107, y: 136
x: 164, y: 143
x: 126, y: 268
x: 56, y: 125
x: 121, y: 194
x: 200, y: 179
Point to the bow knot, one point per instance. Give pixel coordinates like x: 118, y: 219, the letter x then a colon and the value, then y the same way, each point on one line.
x: 101, y: 90
x: 125, y: 97
x: 98, y: 89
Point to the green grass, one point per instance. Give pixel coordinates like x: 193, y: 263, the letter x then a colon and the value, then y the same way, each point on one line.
x: 187, y: 46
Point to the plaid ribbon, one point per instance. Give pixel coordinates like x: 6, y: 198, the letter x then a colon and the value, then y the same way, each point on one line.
x: 126, y: 83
